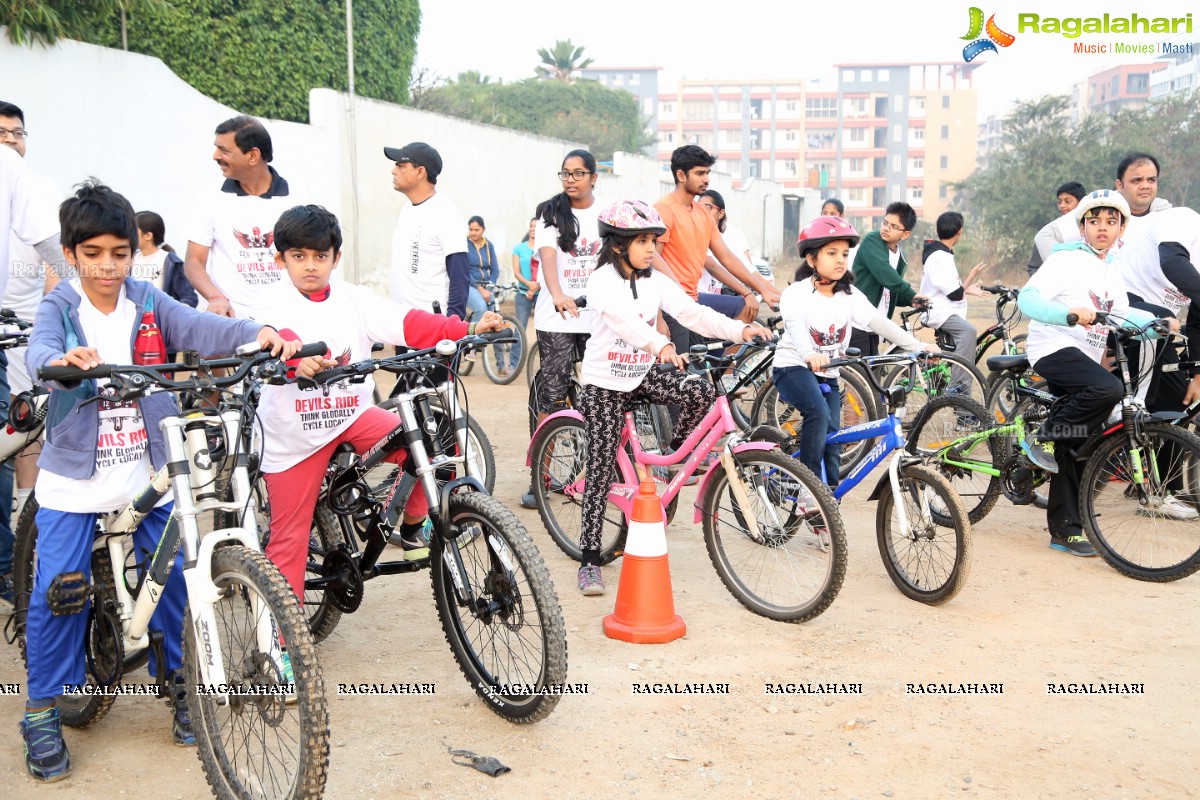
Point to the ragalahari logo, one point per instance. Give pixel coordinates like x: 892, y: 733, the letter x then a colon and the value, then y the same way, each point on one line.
x: 995, y: 36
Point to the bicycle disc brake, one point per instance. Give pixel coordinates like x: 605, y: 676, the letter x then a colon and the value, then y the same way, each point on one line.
x: 346, y: 589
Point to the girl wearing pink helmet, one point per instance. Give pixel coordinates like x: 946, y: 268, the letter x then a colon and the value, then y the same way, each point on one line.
x: 626, y: 297
x: 819, y: 310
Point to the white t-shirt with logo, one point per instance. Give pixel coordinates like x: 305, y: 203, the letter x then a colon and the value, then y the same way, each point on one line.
x: 1139, y: 262
x: 739, y: 245
x: 425, y: 235
x: 239, y: 231
x: 940, y: 278
x: 122, y: 454
x: 150, y: 268
x: 296, y: 422
x: 885, y: 296
x: 1076, y: 278
x: 574, y: 270
x: 625, y: 342
x: 814, y: 322
x: 28, y: 208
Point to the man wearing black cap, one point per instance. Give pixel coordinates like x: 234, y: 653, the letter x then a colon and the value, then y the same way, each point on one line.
x: 429, y: 247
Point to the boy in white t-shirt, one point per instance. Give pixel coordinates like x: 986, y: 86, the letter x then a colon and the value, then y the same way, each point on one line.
x: 947, y: 292
x: 1078, y: 278
x: 99, y: 456
x: 301, y: 428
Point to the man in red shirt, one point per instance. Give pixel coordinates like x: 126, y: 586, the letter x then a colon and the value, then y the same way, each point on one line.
x: 691, y: 235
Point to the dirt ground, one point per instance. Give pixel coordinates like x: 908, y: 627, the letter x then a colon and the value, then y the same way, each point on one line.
x: 1028, y: 617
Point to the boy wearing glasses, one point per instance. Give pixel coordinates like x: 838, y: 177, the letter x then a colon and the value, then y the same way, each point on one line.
x: 879, y: 267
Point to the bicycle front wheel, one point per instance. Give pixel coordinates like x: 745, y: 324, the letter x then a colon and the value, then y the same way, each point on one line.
x: 928, y: 562
x: 1145, y: 529
x: 775, y: 537
x: 263, y: 743
x: 503, y: 361
x: 499, y: 610
x: 950, y: 374
x: 559, y: 467
x: 950, y: 431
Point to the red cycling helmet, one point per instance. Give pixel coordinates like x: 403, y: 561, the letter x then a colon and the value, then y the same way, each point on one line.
x: 825, y: 229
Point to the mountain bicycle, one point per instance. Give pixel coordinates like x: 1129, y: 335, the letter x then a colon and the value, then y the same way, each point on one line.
x: 27, y: 410
x: 258, y: 735
x: 495, y: 600
x: 1000, y: 401
x: 949, y: 373
x: 771, y: 528
x: 504, y: 360
x: 1138, y: 470
x: 921, y: 527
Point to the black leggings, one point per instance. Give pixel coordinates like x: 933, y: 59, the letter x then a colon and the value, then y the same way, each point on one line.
x: 604, y: 412
x: 558, y: 352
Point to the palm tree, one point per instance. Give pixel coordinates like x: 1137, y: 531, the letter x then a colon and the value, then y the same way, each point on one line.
x: 561, y: 62
x: 473, y: 77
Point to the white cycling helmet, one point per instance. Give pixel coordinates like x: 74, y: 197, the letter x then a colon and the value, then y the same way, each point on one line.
x: 1102, y: 198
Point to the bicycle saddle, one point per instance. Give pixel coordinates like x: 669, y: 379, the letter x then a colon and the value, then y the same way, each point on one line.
x: 1019, y: 362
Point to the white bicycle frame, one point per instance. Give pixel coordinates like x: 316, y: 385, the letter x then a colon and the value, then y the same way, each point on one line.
x: 187, y: 448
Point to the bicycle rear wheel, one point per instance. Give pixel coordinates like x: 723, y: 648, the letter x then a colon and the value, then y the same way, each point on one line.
x: 775, y: 538
x: 935, y: 379
x: 503, y: 361
x: 263, y: 743
x: 1150, y: 530
x: 505, y: 625
x: 945, y: 422
x: 559, y: 467
x: 319, y: 609
x: 928, y: 562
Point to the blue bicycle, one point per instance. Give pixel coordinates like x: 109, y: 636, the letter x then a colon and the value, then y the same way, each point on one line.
x: 929, y: 562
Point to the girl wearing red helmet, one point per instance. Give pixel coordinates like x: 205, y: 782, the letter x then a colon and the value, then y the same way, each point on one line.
x: 626, y: 297
x: 819, y: 310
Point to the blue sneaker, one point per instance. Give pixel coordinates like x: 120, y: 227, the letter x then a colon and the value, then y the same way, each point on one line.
x: 181, y: 722
x: 1076, y: 545
x: 46, y: 755
x: 1041, y: 454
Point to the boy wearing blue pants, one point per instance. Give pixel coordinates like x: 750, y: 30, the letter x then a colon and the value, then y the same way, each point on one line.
x: 99, y: 455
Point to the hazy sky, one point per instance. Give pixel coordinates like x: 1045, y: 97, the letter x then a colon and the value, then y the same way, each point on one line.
x: 777, y: 39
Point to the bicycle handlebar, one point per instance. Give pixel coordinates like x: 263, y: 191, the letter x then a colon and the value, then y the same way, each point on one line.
x: 445, y: 350
x: 1159, y: 326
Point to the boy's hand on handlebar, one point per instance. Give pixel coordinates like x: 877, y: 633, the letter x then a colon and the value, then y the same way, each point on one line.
x: 817, y: 361
x: 489, y: 321
x: 1193, y: 391
x: 1171, y: 322
x: 750, y: 332
x: 82, y: 357
x: 667, y: 355
x: 1086, y: 316
x: 308, y: 367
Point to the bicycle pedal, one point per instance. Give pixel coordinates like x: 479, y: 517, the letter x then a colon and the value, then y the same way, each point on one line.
x: 68, y: 594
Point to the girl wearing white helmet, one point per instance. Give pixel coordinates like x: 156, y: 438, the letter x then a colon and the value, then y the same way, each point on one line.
x: 626, y: 297
x: 1078, y: 278
x: 819, y: 310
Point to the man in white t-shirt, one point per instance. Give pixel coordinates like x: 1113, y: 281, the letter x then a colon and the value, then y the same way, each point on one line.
x: 231, y: 254
x: 28, y: 217
x: 1137, y: 181
x: 429, y: 245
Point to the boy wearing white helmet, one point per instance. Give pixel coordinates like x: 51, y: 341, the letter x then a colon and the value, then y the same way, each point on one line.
x: 1078, y: 278
x: 626, y: 296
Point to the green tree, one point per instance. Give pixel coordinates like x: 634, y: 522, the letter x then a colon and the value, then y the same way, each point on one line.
x: 561, y: 62
x: 258, y: 56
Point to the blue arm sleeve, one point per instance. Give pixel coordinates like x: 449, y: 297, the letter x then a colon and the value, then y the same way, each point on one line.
x: 1136, y: 318
x: 1034, y: 306
x: 458, y: 269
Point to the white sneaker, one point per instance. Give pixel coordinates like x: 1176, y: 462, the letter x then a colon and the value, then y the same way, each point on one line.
x: 1169, y: 507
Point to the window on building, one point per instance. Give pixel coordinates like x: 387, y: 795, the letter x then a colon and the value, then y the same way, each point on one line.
x: 945, y: 132
x: 1116, y: 85
x: 648, y: 106
x: 918, y: 135
x: 856, y: 195
x: 944, y: 162
x: 858, y: 136
x: 634, y: 79
x: 667, y: 108
x: 697, y: 110
x: 618, y: 80
x: 917, y: 164
x: 789, y: 168
x: 1137, y: 84
x: 856, y: 164
x: 896, y: 163
x: 945, y: 101
x: 732, y: 137
x: 917, y: 193
x: 942, y: 191
x: 669, y: 137
x: 917, y: 107
x: 865, y: 75
x: 733, y: 107
x: 882, y: 75
x: 848, y: 75
x: 789, y: 136
x: 820, y: 107
x: 790, y: 105
x: 897, y: 133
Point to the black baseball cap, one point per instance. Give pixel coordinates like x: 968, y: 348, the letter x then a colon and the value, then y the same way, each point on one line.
x: 417, y: 153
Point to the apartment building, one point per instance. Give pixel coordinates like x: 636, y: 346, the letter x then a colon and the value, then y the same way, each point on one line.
x: 886, y: 132
x: 1126, y: 86
x: 1179, y: 70
x: 641, y: 82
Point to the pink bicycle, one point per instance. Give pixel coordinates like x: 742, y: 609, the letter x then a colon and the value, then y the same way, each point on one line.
x: 772, y: 528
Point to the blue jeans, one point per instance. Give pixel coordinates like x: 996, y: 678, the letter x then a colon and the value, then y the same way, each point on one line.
x: 475, y: 303
x: 8, y: 473
x: 819, y: 401
x: 524, y: 309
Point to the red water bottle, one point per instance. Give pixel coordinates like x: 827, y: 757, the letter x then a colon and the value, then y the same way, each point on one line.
x: 148, y: 347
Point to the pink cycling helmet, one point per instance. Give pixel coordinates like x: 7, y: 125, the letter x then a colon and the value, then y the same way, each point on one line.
x: 630, y: 218
x: 825, y: 229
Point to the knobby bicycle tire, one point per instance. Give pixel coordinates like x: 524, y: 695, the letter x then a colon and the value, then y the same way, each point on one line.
x: 510, y: 642
x: 321, y: 613
x: 248, y: 768
x: 933, y: 381
x: 793, y: 569
x: 496, y: 352
x: 942, y: 421
x: 1135, y: 539
x: 914, y: 559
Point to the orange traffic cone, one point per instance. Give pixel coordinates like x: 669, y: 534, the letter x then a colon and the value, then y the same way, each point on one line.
x: 645, y: 611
